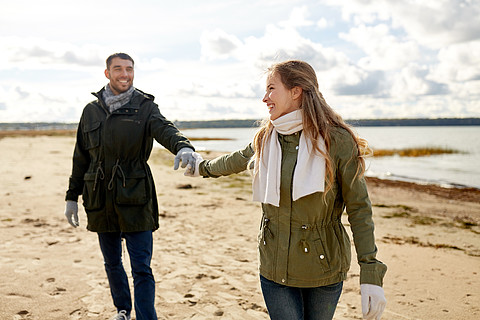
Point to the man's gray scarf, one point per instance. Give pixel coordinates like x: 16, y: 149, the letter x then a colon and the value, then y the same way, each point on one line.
x: 113, y: 101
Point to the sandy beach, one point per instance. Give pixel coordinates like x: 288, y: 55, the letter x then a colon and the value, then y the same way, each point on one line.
x: 205, y: 256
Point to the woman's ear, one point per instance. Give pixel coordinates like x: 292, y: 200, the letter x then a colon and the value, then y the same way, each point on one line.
x: 297, y: 93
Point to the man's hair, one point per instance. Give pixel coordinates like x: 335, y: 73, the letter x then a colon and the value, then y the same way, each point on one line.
x: 120, y: 55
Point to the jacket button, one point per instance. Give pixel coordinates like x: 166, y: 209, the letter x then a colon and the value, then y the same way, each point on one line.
x: 283, y: 280
x: 322, y: 256
x: 296, y: 148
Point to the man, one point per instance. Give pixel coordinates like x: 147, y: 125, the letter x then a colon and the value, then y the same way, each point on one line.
x: 114, y: 141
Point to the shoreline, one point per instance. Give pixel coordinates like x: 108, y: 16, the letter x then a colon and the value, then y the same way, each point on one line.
x: 469, y: 193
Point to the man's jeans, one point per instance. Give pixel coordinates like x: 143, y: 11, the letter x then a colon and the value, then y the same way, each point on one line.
x: 140, y: 247
x: 291, y: 303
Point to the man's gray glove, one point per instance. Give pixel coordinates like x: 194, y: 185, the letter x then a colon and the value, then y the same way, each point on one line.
x: 185, y: 155
x: 71, y: 212
x: 194, y: 172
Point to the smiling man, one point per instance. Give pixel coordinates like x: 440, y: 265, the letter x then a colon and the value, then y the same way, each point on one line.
x: 120, y: 73
x: 110, y: 171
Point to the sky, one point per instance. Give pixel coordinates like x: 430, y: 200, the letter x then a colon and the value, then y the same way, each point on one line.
x: 206, y: 60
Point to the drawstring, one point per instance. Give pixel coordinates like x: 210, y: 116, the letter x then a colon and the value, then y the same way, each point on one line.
x: 266, y: 228
x: 305, y: 246
x: 303, y: 242
x: 114, y: 172
x: 97, y: 174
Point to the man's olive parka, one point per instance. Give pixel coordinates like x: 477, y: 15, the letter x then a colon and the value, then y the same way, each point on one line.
x: 303, y: 243
x: 110, y: 169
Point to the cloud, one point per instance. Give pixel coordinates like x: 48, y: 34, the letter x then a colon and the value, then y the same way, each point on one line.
x: 383, y: 50
x: 21, y: 93
x: 232, y: 90
x: 323, y: 23
x: 218, y: 44
x: 413, y: 81
x: 38, y: 53
x: 431, y: 23
x: 298, y: 18
x: 360, y: 82
x: 459, y: 62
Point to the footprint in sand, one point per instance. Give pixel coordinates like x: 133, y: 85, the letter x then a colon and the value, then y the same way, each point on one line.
x: 23, y: 314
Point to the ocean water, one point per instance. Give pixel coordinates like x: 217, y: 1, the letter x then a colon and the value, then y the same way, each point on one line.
x: 449, y: 170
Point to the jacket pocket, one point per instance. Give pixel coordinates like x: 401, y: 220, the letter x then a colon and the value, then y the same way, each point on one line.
x: 266, y: 246
x: 92, y: 195
x: 92, y: 134
x: 131, y: 189
x: 307, y: 258
x: 345, y: 247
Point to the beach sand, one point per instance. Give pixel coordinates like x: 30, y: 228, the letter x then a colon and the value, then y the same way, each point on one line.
x: 205, y: 256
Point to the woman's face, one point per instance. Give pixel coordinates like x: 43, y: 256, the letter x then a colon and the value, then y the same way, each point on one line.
x: 279, y: 99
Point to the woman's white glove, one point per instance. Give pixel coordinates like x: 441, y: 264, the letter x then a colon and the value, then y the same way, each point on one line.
x: 71, y: 212
x: 194, y: 171
x: 185, y: 156
x: 373, y: 301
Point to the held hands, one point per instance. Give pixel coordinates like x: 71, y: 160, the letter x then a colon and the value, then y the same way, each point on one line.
x: 373, y: 301
x: 194, y: 171
x: 71, y: 212
x: 185, y: 155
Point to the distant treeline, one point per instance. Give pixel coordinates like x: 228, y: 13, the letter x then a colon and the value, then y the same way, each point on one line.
x: 415, y: 122
x: 249, y: 123
x: 356, y: 123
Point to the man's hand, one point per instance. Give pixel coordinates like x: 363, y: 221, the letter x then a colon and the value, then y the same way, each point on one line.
x: 185, y: 155
x: 373, y: 301
x: 71, y: 212
x: 194, y: 171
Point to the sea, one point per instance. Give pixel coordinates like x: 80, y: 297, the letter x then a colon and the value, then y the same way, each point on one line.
x: 459, y: 170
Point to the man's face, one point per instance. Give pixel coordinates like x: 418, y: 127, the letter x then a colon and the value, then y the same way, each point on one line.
x: 120, y: 74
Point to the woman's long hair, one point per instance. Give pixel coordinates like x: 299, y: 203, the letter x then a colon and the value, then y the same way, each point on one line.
x: 318, y: 117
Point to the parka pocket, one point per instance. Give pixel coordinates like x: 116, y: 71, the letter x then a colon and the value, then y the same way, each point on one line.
x: 92, y: 134
x: 344, y: 245
x: 307, y: 256
x: 131, y: 189
x: 92, y: 195
x: 266, y: 246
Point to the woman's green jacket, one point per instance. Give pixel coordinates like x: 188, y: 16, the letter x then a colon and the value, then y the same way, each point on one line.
x: 303, y: 243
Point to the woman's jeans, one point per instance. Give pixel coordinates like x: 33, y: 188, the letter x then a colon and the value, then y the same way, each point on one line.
x: 140, y: 247
x: 291, y: 303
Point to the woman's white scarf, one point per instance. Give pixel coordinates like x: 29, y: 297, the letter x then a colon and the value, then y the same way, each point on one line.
x: 309, y: 174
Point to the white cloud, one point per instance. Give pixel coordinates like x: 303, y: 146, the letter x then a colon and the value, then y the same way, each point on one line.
x: 413, y: 81
x: 218, y: 44
x: 383, y: 50
x: 459, y: 62
x: 38, y: 53
x: 433, y: 23
x: 323, y: 23
x: 298, y: 18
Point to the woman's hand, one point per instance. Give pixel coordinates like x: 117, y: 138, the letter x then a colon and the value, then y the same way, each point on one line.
x: 373, y: 301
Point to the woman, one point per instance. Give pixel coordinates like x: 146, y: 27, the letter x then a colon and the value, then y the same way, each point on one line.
x: 307, y: 168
